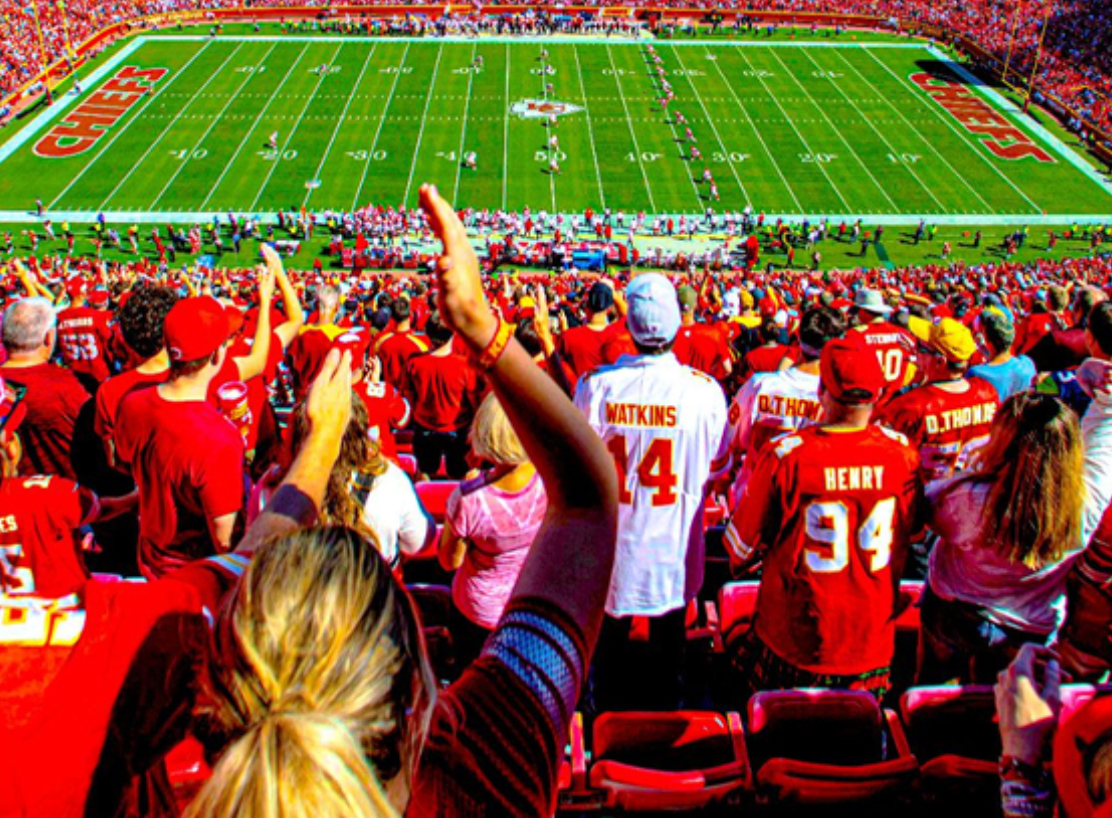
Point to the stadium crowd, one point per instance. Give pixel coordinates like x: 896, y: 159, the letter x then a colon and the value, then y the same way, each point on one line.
x: 214, y: 487
x: 1075, y: 65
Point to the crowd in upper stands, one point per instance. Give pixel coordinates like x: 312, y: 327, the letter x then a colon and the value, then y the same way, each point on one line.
x: 1075, y: 65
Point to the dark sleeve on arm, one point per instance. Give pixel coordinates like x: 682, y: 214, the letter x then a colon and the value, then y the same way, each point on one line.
x: 496, y: 736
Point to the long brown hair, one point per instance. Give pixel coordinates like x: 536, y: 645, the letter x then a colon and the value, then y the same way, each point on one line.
x: 1033, y: 462
x: 359, y: 463
x: 318, y: 698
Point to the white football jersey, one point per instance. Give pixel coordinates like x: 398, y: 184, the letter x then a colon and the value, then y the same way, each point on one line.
x: 770, y: 404
x: 665, y: 424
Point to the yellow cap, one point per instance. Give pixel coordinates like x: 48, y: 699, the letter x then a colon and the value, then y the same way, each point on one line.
x: 953, y: 340
x: 920, y: 328
x: 746, y: 299
x: 526, y: 302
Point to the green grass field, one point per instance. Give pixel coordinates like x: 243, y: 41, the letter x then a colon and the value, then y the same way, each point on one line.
x: 791, y: 129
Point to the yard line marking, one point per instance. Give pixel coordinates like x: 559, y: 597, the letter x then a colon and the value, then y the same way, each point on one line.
x: 679, y: 143
x: 166, y: 130
x: 838, y: 133
x: 930, y: 145
x: 757, y: 131
x: 247, y: 78
x: 254, y: 125
x: 296, y: 125
x: 713, y: 127
x: 506, y: 133
x: 466, y: 111
x: 632, y: 132
x: 339, y: 123
x: 128, y: 124
x: 590, y: 129
x: 871, y: 124
x: 424, y: 119
x: 548, y: 149
x: 791, y: 122
x: 975, y: 146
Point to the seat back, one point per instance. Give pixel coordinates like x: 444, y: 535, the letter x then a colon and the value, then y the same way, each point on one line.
x: 737, y: 603
x: 951, y: 720
x: 434, y: 496
x: 821, y: 726
x: 674, y: 742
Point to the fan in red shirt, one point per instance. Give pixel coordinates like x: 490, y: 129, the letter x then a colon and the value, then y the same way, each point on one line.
x: 396, y: 348
x: 54, y: 397
x: 141, y: 322
x: 894, y: 347
x: 186, y: 458
x: 701, y: 346
x: 770, y: 354
x: 387, y: 409
x: 830, y: 510
x: 579, y: 349
x: 950, y: 417
x: 85, y: 331
x: 445, y: 391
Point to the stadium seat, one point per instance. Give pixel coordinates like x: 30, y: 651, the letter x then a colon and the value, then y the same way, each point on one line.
x: 827, y: 748
x: 953, y: 732
x: 737, y: 602
x: 434, y: 497
x: 408, y: 463
x: 685, y: 760
x: 434, y: 605
x: 905, y: 658
x: 403, y: 439
x: 188, y: 771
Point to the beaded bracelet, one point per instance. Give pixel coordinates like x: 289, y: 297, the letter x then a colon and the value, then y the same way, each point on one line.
x: 489, y: 356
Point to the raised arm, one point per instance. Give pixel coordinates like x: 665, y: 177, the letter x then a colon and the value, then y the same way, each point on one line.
x: 295, y: 314
x: 571, y: 559
x: 254, y: 364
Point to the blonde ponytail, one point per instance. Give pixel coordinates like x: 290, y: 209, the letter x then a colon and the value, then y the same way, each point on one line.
x: 320, y: 690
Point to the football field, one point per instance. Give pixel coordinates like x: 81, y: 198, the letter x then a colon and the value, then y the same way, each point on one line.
x: 177, y: 128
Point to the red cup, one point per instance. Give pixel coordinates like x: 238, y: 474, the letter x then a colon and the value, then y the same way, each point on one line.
x: 232, y: 399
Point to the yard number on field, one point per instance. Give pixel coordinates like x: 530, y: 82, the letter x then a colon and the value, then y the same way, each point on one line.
x: 905, y: 158
x: 199, y: 153
x: 272, y: 156
x: 645, y: 157
x: 361, y: 156
x: 817, y: 158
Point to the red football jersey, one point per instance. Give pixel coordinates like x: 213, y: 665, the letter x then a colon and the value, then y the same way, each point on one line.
x: 188, y: 463
x: 581, y: 349
x: 112, y: 392
x: 54, y: 400
x: 445, y: 392
x: 84, y: 337
x: 945, y: 427
x: 833, y: 512
x: 895, y: 350
x: 703, y: 347
x: 40, y: 552
x: 387, y: 410
x: 395, y: 349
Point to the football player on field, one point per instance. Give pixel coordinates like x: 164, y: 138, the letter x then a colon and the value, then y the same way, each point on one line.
x: 830, y: 511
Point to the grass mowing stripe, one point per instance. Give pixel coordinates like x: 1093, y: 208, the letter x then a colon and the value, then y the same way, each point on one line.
x: 506, y: 134
x: 167, y: 129
x: 424, y: 119
x: 825, y: 75
x: 466, y: 112
x: 254, y: 125
x: 296, y: 125
x: 122, y: 130
x: 975, y: 146
x: 837, y: 131
x: 911, y: 126
x: 713, y: 127
x: 250, y: 75
x: 378, y: 131
x: 757, y: 132
x: 340, y: 122
x: 632, y: 130
x: 590, y: 129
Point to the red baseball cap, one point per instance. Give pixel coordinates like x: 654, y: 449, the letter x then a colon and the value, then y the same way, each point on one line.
x: 848, y: 366
x: 76, y: 286
x: 195, y: 328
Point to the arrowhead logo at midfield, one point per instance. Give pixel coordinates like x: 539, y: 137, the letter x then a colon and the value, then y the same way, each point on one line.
x: 543, y: 108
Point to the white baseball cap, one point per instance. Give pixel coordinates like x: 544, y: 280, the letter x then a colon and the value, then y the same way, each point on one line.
x: 653, y: 317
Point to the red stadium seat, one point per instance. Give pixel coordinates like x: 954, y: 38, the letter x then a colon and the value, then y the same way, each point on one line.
x: 403, y: 439
x: 817, y: 747
x: 187, y: 770
x: 408, y: 463
x: 434, y: 496
x: 905, y: 658
x: 646, y: 762
x: 953, y: 732
x: 737, y: 602
x: 572, y: 775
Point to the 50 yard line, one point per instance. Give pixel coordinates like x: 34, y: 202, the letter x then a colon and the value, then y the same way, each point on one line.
x: 129, y: 123
x: 424, y: 119
x: 378, y: 131
x: 254, y: 125
x: 166, y: 130
x: 250, y: 76
x: 296, y: 125
x: 340, y: 122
